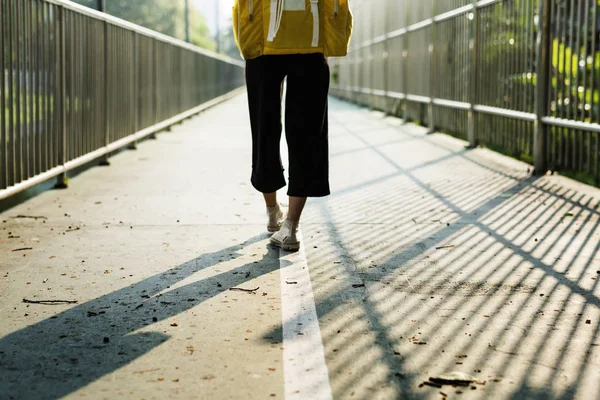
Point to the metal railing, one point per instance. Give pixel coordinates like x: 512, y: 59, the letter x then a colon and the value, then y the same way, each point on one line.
x: 520, y: 76
x: 77, y: 84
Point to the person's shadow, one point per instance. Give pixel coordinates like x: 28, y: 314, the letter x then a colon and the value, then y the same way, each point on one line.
x: 66, y: 352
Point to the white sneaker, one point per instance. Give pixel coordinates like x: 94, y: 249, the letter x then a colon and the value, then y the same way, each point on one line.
x: 286, y: 237
x: 275, y: 218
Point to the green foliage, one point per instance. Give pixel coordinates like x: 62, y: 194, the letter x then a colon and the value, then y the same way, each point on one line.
x: 164, y: 16
x: 580, y: 176
x: 199, y: 33
x: 24, y: 104
x: 228, y: 45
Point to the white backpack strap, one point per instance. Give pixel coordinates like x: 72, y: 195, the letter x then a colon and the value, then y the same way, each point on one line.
x: 277, y: 7
x: 273, y: 21
x: 314, y: 8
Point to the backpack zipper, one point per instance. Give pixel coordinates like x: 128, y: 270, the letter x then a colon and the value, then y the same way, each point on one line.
x: 251, y: 10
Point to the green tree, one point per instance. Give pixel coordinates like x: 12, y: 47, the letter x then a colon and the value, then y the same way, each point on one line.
x: 228, y: 45
x: 164, y: 16
x: 199, y: 33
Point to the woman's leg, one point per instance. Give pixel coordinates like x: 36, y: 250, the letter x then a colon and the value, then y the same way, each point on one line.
x: 306, y: 125
x: 264, y: 76
x: 271, y: 199
x: 263, y: 81
x: 295, y: 208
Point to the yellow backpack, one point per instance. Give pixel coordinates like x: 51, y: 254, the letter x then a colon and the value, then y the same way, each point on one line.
x: 292, y: 27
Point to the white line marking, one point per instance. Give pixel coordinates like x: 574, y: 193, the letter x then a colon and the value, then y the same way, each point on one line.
x: 304, y: 369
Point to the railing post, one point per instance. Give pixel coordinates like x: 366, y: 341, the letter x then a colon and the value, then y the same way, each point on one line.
x: 136, y: 83
x: 106, y: 120
x: 99, y: 5
x: 405, y: 50
x: 154, y: 96
x: 3, y: 141
x: 133, y: 91
x: 61, y: 149
x: 385, y: 58
x: 473, y: 74
x: 149, y: 61
x: 540, y: 138
x: 430, y: 108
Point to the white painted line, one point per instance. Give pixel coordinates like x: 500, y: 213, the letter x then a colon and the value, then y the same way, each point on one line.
x: 304, y: 369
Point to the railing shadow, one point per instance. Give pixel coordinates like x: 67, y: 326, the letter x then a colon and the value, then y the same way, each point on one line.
x: 466, y: 266
x: 66, y: 352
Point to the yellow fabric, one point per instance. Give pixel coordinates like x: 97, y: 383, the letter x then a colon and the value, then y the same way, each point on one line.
x: 295, y: 34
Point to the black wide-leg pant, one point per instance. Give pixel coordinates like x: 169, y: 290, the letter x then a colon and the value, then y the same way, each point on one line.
x: 306, y: 122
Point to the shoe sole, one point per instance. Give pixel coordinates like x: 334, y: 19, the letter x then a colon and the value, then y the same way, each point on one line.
x: 273, y: 229
x: 286, y: 247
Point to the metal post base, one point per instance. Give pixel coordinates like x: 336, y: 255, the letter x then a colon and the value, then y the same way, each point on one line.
x: 430, y: 119
x: 62, y: 182
x: 540, y: 172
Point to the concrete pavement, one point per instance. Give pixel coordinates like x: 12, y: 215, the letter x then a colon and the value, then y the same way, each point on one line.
x: 427, y: 258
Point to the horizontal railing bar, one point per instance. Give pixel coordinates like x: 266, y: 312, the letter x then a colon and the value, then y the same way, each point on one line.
x: 454, y: 13
x: 565, y: 123
x: 396, y: 95
x: 485, y: 3
x: 29, y: 183
x: 375, y: 92
x: 452, y: 104
x: 67, y: 4
x: 502, y: 112
x: 418, y: 99
x: 380, y: 39
x: 396, y: 33
x: 78, y: 162
x: 364, y: 44
x: 420, y: 25
x: 361, y: 46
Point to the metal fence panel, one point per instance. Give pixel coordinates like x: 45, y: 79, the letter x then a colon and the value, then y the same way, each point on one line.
x: 485, y: 71
x: 74, y: 82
